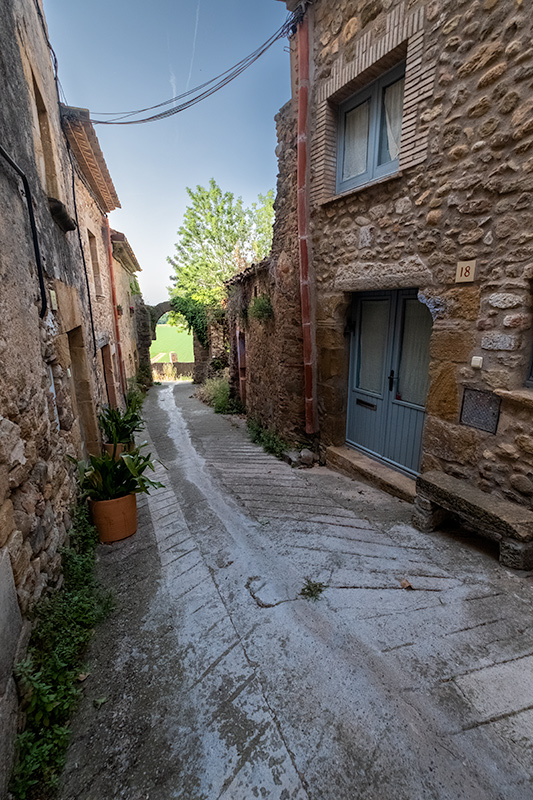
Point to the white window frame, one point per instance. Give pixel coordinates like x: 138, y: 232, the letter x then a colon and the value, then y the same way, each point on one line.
x: 374, y: 93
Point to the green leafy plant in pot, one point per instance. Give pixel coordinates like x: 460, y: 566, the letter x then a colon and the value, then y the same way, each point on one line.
x: 119, y: 428
x: 111, y: 486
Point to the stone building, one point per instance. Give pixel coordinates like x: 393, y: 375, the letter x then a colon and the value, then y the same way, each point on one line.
x: 59, y: 350
x: 400, y: 278
x: 133, y: 316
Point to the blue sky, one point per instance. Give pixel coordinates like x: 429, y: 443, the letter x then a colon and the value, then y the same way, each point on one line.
x: 117, y: 55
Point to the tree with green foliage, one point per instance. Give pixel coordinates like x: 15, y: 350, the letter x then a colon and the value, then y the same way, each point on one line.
x: 218, y: 238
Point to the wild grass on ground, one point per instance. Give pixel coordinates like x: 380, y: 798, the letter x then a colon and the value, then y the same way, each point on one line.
x: 168, y: 375
x: 215, y: 392
x: 269, y: 440
x: 49, y: 677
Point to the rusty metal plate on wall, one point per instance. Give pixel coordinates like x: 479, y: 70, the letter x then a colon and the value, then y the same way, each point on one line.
x: 481, y: 410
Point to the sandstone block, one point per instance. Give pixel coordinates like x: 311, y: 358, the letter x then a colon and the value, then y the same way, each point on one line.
x: 491, y: 75
x: 350, y: 29
x: 451, y: 442
x: 480, y: 58
x: 433, y: 217
x: 442, y: 398
x: 451, y: 345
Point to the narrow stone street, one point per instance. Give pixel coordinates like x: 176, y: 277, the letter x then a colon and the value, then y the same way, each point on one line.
x: 213, y: 679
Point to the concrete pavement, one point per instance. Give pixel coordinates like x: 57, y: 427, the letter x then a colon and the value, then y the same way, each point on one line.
x: 215, y: 680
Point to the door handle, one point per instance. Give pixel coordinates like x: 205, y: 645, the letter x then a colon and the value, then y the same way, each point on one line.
x: 391, y: 380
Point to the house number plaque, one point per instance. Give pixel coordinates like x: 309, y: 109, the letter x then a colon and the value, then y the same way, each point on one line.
x: 466, y: 272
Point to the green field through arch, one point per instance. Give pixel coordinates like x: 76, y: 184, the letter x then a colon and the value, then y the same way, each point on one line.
x: 170, y: 339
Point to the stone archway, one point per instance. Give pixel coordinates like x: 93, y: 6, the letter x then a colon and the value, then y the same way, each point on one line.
x: 156, y: 312
x: 201, y: 354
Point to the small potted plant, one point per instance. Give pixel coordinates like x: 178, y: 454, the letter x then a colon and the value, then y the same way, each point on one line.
x: 111, y: 486
x: 119, y: 427
x: 119, y: 310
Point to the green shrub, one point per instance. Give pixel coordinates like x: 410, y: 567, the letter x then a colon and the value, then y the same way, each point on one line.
x: 268, y: 439
x: 261, y: 308
x: 215, y: 392
x: 48, y: 677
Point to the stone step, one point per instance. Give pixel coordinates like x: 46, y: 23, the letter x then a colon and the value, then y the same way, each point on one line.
x: 357, y: 465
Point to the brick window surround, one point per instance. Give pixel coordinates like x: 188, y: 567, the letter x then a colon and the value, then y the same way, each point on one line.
x: 403, y: 41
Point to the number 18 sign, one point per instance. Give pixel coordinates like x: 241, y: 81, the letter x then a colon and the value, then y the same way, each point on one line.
x: 466, y: 271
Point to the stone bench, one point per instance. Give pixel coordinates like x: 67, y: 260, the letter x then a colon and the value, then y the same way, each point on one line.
x: 509, y: 524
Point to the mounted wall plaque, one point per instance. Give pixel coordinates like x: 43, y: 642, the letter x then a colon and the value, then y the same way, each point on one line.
x: 466, y: 272
x: 480, y: 410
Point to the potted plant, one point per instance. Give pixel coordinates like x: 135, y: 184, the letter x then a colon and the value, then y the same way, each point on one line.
x: 119, y: 310
x: 118, y: 428
x: 111, y: 486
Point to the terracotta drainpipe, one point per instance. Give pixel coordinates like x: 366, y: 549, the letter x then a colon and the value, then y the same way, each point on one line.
x: 311, y: 425
x: 115, y: 312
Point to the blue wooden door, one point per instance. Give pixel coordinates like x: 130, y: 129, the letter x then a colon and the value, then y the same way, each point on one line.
x: 389, y: 365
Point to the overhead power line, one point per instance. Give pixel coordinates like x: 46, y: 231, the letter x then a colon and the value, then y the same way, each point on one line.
x: 203, y: 91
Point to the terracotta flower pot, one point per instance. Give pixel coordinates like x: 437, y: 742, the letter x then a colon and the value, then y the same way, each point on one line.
x: 117, y: 449
x: 114, y: 519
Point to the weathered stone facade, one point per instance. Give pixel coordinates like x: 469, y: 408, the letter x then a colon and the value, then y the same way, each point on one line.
x: 270, y: 377
x: 463, y: 191
x: 134, y: 348
x: 57, y: 329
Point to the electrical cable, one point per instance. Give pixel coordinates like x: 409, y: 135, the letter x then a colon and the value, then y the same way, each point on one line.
x: 210, y: 87
x: 35, y: 237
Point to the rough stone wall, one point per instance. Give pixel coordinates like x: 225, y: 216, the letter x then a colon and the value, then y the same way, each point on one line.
x: 143, y: 332
x: 201, y: 361
x: 470, y: 198
x: 274, y: 361
x: 51, y: 377
x: 127, y: 323
x: 178, y: 369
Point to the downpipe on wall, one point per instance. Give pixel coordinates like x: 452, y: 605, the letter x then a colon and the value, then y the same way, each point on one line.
x: 302, y: 38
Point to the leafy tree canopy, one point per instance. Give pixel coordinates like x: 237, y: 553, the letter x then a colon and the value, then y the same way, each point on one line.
x: 218, y: 238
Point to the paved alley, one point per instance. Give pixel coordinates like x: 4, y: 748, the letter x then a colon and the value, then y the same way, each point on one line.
x: 214, y: 679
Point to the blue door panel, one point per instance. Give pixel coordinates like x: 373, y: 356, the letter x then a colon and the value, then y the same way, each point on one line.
x: 388, y: 380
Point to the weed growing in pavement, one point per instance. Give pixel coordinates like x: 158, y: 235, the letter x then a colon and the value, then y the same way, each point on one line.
x: 269, y: 440
x: 48, y: 678
x: 216, y: 393
x: 312, y: 589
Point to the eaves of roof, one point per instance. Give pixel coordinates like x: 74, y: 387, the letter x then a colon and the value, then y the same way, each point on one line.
x: 122, y: 252
x: 86, y: 149
x: 249, y: 272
